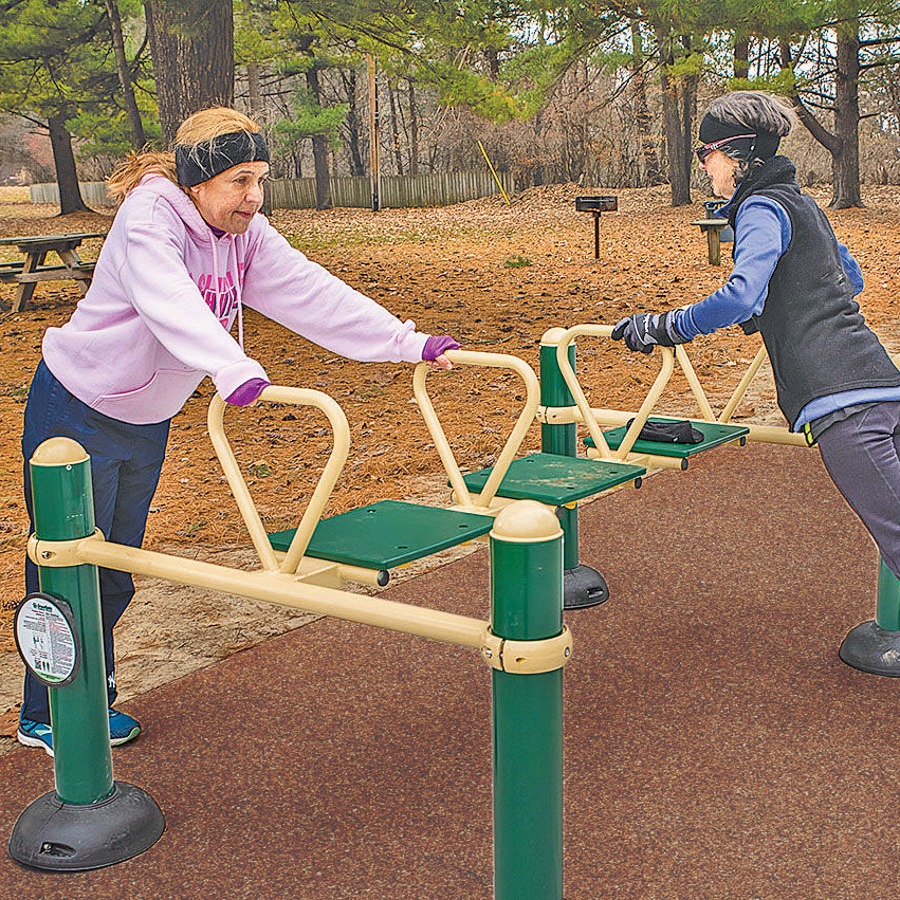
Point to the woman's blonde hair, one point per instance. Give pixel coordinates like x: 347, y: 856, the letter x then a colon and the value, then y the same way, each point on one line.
x: 198, y: 128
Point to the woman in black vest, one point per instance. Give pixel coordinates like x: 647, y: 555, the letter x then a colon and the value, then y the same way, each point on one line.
x: 794, y: 283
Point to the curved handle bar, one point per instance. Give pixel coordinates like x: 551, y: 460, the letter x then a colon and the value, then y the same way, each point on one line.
x: 581, y: 401
x: 516, y: 436
x: 327, y: 480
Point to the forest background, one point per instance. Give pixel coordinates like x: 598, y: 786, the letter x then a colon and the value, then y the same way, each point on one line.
x: 602, y: 92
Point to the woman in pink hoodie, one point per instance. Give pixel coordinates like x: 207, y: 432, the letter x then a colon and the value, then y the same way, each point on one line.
x: 186, y: 252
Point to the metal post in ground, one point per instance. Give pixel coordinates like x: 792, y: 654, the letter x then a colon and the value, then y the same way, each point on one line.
x: 583, y: 585
x: 89, y: 820
x: 526, y: 605
x: 874, y: 646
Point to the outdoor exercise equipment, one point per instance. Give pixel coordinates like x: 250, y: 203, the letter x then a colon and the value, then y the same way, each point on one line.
x: 564, y: 406
x: 365, y: 543
x: 872, y: 646
x: 550, y: 477
x: 525, y: 643
x: 622, y: 441
x: 89, y: 821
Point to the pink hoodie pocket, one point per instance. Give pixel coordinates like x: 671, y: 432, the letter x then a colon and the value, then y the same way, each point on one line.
x: 160, y: 398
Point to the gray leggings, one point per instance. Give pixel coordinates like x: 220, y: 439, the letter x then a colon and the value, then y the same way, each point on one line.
x: 862, y: 456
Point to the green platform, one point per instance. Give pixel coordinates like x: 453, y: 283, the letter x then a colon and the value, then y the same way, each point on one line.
x: 714, y: 434
x: 556, y: 480
x: 388, y: 534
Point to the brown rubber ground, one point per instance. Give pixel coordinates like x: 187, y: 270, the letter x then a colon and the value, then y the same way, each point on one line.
x: 716, y: 747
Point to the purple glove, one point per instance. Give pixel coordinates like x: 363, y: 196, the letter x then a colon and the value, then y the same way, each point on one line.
x: 437, y: 344
x: 247, y: 392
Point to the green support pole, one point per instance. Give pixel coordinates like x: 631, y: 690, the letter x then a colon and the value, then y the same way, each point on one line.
x: 887, y: 614
x: 874, y: 646
x: 583, y: 586
x: 64, y: 511
x: 526, y: 604
x: 90, y: 820
x: 561, y: 439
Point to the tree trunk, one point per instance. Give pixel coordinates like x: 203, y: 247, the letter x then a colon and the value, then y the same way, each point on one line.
x: 651, y: 171
x: 395, y: 129
x: 320, y: 146
x: 135, y: 126
x: 192, y: 44
x: 66, y: 174
x: 254, y: 90
x: 413, y: 130
x: 741, y: 55
x: 677, y: 101
x: 845, y: 165
x: 843, y: 144
x: 353, y: 123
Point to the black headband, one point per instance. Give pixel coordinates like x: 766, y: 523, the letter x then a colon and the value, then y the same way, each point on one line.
x: 762, y: 146
x: 199, y: 163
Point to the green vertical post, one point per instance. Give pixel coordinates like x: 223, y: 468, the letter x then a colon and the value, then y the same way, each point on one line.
x: 561, y: 439
x: 582, y: 585
x: 89, y: 821
x: 887, y: 615
x: 64, y: 511
x: 874, y: 646
x: 526, y: 604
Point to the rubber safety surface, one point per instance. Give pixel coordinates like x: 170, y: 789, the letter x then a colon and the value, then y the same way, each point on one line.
x: 716, y: 747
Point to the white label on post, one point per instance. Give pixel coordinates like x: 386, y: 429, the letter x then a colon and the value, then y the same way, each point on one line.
x: 46, y: 639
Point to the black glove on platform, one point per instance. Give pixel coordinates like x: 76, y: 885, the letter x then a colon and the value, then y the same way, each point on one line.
x: 643, y: 331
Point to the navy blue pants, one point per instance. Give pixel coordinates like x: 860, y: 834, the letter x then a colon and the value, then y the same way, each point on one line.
x: 125, y: 464
x: 862, y: 456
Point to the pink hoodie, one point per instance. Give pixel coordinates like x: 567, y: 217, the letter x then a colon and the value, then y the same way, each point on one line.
x: 166, y: 291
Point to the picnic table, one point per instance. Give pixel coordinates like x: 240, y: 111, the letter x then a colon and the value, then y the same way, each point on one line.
x: 33, y: 268
x: 712, y: 228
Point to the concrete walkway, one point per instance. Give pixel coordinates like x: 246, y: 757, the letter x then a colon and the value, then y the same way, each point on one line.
x: 716, y: 747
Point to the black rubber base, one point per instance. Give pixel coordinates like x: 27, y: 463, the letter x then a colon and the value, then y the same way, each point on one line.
x: 61, y: 837
x: 583, y: 587
x: 872, y: 649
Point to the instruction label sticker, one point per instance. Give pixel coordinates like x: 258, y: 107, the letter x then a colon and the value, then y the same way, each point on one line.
x: 46, y: 638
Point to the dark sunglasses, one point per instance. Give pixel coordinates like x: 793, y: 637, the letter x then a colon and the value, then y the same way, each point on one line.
x: 705, y: 150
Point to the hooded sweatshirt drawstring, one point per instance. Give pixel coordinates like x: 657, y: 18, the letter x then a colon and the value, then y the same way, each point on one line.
x: 232, y: 251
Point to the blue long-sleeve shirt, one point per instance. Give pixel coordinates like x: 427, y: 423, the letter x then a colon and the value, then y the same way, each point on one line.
x: 763, y: 234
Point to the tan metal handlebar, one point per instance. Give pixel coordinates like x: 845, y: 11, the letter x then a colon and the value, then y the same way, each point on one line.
x: 516, y: 436
x: 327, y: 480
x: 581, y: 401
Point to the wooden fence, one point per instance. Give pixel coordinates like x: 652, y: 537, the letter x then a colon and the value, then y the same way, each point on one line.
x: 440, y: 189
x: 92, y: 192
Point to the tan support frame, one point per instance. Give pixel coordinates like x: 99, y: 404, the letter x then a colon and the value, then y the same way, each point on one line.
x: 594, y: 417
x: 288, y: 590
x: 293, y: 558
x: 481, y: 502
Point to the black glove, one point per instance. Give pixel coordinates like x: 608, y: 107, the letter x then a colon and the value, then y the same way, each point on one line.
x: 643, y: 331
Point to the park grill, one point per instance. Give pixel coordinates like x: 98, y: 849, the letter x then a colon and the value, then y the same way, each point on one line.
x: 596, y: 205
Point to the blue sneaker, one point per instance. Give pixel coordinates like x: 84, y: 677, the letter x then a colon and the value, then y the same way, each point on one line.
x: 35, y: 734
x: 122, y: 727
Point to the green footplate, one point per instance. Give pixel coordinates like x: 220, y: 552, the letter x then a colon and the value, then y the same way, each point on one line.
x: 556, y: 480
x: 714, y: 434
x: 388, y: 534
